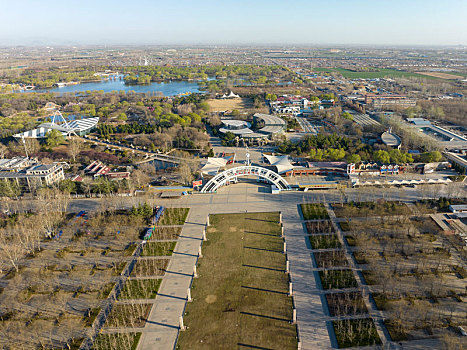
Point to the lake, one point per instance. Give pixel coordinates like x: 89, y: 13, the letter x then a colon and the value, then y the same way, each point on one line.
x: 171, y: 88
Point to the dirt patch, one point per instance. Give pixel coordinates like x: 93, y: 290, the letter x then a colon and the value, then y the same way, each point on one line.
x: 441, y: 75
x: 233, y: 229
x: 211, y: 298
x: 237, y: 103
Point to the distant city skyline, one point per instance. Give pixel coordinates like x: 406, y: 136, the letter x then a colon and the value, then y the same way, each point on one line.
x: 241, y: 22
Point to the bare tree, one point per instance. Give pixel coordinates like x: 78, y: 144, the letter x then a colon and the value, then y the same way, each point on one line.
x: 74, y: 147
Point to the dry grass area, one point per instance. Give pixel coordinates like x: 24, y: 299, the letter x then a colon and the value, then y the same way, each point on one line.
x: 240, y: 297
x: 218, y: 105
x: 441, y: 75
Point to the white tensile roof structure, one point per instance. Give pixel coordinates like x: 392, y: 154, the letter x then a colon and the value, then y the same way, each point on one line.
x: 58, y: 122
x: 213, y: 165
x: 231, y: 95
x: 282, y: 163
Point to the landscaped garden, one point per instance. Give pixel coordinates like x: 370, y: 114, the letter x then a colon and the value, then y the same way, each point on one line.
x: 132, y: 315
x: 364, y: 209
x: 346, y: 303
x: 337, y: 279
x: 316, y: 227
x: 149, y: 267
x: 241, y: 296
x: 324, y: 241
x: 313, y: 211
x: 158, y: 248
x: 356, y: 332
x: 174, y: 216
x: 140, y: 289
x: 330, y: 258
x: 128, y: 341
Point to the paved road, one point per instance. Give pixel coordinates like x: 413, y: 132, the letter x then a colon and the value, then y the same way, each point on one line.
x: 307, y: 126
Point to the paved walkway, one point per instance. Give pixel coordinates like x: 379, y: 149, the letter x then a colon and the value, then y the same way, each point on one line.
x: 311, y: 317
x: 161, y: 329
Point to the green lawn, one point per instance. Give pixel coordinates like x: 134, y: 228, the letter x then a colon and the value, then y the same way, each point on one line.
x: 140, y: 289
x: 127, y: 341
x: 158, y: 248
x: 240, y: 298
x: 314, y: 211
x: 174, y: 216
x: 380, y: 73
x: 358, y: 332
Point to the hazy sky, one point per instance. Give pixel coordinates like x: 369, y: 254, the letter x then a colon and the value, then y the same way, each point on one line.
x: 393, y: 22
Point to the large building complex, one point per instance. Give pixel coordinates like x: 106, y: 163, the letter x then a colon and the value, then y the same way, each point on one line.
x: 267, y: 126
x: 384, y: 101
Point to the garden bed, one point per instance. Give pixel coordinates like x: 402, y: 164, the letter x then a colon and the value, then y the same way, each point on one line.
x: 128, y: 341
x: 337, y: 279
x: 150, y: 267
x: 347, y: 303
x: 331, y: 258
x: 174, y: 216
x: 158, y: 249
x: 140, y: 289
x: 314, y: 212
x: 324, y: 241
x: 314, y: 227
x: 356, y: 332
x: 128, y: 315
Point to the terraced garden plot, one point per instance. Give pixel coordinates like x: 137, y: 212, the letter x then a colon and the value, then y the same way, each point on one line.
x: 166, y: 233
x: 312, y: 211
x: 158, y: 248
x: 331, y: 258
x: 324, y: 241
x: 128, y: 315
x: 150, y: 267
x: 364, y: 209
x: 174, y: 216
x: 128, y: 341
x: 337, y: 279
x: 140, y: 289
x: 346, y: 303
x: 356, y: 332
x: 314, y: 227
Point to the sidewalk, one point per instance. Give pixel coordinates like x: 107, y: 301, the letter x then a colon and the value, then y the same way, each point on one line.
x: 161, y: 329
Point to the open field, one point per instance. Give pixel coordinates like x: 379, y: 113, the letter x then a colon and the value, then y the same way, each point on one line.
x: 240, y: 297
x: 218, y: 105
x: 441, y: 75
x: 381, y: 73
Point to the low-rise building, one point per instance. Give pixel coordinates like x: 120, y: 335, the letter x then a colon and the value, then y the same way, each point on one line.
x: 35, y: 176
